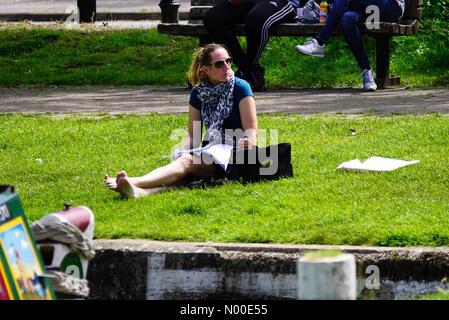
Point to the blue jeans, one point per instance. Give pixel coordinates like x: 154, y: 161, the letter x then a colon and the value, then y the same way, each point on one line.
x: 348, y: 14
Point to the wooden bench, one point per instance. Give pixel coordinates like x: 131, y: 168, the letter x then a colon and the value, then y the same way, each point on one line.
x: 408, y: 25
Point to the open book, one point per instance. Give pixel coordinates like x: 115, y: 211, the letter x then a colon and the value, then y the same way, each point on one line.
x: 375, y: 164
x: 218, y: 153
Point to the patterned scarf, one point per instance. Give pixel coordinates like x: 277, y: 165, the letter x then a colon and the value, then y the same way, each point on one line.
x: 217, y: 102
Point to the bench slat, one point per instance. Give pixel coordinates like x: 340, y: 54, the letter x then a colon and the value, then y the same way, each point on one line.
x: 288, y: 29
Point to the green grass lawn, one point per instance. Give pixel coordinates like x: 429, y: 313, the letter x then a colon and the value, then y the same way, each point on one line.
x: 57, y: 57
x: 52, y: 160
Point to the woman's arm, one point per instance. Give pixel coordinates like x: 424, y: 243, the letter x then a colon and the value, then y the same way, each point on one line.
x: 248, y: 116
x: 193, y: 139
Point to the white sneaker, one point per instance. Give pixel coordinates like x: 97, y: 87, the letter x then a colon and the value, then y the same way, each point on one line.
x: 368, y: 80
x: 312, y: 48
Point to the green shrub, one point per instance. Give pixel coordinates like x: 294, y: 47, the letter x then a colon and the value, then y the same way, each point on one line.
x: 436, y: 9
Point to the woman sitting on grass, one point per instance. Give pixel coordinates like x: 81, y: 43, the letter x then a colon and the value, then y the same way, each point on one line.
x: 222, y: 102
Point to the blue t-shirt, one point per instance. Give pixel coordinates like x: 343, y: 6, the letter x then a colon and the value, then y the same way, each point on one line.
x: 241, y: 90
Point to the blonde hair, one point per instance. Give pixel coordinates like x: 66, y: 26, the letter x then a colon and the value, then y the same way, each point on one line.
x: 202, y: 57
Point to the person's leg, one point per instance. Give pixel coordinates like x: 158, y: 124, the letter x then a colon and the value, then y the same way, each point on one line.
x: 174, y: 173
x: 129, y: 191
x: 350, y: 25
x: 389, y: 10
x: 351, y: 31
x: 159, y: 179
x: 333, y: 20
x: 219, y: 22
x: 258, y: 22
x: 122, y: 185
x: 315, y: 46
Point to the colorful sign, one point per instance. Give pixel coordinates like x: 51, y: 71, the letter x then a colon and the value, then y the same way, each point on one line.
x: 22, y: 261
x: 5, y: 287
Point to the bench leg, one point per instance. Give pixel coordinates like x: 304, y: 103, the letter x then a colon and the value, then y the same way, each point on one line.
x: 169, y: 11
x: 383, y: 78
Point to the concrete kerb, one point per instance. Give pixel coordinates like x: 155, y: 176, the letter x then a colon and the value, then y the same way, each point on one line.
x: 142, y: 269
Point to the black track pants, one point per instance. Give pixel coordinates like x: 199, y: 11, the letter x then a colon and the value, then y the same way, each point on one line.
x: 258, y: 17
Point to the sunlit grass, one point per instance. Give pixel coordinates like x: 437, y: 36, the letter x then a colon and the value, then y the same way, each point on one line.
x: 53, y: 160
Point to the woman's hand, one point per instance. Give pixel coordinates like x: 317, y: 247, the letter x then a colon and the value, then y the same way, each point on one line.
x: 176, y: 154
x: 244, y: 143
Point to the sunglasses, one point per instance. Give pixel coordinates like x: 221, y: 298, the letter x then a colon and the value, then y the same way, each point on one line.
x: 220, y: 64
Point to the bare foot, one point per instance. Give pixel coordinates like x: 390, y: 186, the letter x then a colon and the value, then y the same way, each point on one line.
x: 127, y: 189
x: 121, y: 174
x: 124, y: 185
x: 111, y: 183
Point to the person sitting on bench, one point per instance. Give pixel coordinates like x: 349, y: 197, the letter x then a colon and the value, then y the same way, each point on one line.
x: 258, y: 16
x: 349, y: 14
x: 218, y: 99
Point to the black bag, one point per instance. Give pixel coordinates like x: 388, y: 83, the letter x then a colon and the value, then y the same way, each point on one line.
x: 266, y: 163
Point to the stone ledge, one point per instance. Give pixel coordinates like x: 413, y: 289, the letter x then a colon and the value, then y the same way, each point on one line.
x: 143, y: 269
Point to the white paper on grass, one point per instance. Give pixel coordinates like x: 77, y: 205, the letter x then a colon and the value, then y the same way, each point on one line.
x: 375, y: 164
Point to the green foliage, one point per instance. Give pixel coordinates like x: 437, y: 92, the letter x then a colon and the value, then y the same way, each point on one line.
x: 44, y: 56
x: 427, y: 58
x: 77, y: 57
x: 436, y: 9
x: 51, y: 160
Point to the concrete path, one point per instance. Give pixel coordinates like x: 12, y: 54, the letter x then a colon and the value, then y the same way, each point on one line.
x: 115, y: 100
x: 60, y: 6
